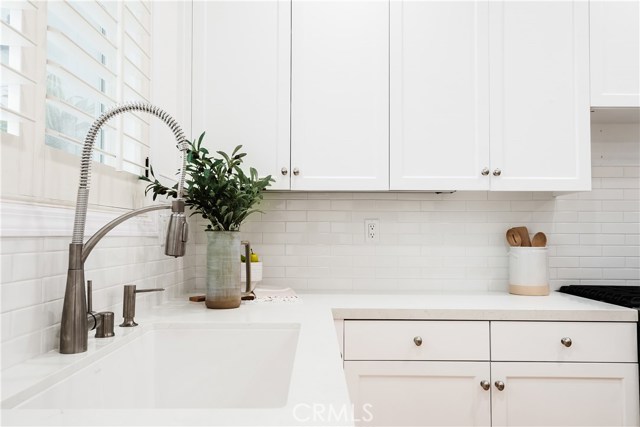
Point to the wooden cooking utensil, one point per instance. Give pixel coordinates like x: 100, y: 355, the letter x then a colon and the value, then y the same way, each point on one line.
x: 513, y: 237
x: 539, y: 240
x: 524, y: 235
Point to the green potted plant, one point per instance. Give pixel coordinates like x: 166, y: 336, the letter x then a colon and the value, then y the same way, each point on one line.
x: 220, y: 191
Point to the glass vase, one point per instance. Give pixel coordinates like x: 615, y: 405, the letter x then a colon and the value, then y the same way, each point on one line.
x: 223, y: 269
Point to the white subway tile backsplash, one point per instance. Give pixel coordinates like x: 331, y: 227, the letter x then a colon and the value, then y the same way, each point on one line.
x: 621, y: 206
x: 581, y: 273
x: 535, y: 206
x: 21, y: 348
x: 600, y: 216
x: 5, y: 323
x: 17, y: 295
x: 618, y: 183
x: 602, y: 194
x: 622, y: 273
x: 601, y: 239
x: 623, y: 228
x: 609, y: 262
x: 280, y: 216
x: 633, y: 217
x: 308, y: 205
x: 579, y: 205
x: 631, y: 251
x: 277, y: 238
x: 631, y: 172
x: 6, y: 268
x: 576, y: 228
x: 579, y: 250
x: 509, y: 195
x: 606, y: 172
x: 16, y: 245
x: 331, y: 216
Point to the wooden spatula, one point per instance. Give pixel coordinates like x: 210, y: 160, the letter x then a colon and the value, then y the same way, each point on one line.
x: 524, y: 235
x: 513, y: 237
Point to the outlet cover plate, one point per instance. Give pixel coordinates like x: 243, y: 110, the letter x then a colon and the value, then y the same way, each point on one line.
x: 371, y: 230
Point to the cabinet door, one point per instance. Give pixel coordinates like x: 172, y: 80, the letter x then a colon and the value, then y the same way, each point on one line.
x: 615, y: 53
x: 539, y: 95
x: 340, y: 95
x: 565, y: 394
x: 241, y: 57
x: 419, y: 393
x: 439, y: 95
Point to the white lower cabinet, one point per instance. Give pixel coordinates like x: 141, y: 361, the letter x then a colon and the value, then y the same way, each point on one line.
x: 564, y: 394
x: 477, y: 373
x: 409, y: 393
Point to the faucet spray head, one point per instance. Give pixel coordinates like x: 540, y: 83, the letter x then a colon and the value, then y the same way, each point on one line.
x: 177, y: 230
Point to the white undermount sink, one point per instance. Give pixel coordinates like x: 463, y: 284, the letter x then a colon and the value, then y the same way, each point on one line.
x: 184, y: 366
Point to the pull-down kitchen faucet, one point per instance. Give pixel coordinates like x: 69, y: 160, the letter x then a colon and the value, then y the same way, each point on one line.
x: 75, y: 316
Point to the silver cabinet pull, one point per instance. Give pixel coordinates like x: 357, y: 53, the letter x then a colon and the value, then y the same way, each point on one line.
x: 417, y: 341
x: 296, y: 171
x: 499, y: 385
x: 485, y: 172
x: 497, y: 172
x: 284, y: 171
x: 566, y: 341
x: 486, y: 385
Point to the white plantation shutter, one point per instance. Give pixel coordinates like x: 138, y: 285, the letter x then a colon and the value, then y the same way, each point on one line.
x: 18, y: 45
x: 98, y: 56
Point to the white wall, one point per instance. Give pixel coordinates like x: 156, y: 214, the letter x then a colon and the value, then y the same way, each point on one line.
x: 316, y: 241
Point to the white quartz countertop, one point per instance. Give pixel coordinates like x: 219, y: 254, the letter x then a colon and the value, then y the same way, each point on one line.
x: 473, y: 306
x: 317, y: 376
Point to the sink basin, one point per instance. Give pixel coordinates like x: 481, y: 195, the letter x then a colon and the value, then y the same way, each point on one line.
x: 189, y: 366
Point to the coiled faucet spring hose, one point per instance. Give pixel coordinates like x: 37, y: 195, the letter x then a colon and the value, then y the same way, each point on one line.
x: 87, y: 154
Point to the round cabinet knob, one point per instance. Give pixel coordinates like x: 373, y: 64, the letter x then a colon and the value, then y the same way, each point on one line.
x: 485, y: 172
x: 296, y: 171
x: 284, y: 171
x: 486, y: 385
x: 566, y: 341
x: 417, y: 341
x: 499, y: 385
x: 497, y: 172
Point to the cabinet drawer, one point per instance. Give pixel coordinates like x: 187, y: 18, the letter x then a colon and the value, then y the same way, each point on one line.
x: 564, y: 342
x: 399, y: 339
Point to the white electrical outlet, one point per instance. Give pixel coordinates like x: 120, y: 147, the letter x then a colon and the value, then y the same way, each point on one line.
x: 371, y: 230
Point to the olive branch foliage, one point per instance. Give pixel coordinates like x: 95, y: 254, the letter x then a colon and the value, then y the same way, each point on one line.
x: 216, y: 188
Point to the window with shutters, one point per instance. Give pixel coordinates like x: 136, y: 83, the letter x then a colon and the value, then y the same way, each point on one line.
x: 18, y: 62
x: 97, y: 55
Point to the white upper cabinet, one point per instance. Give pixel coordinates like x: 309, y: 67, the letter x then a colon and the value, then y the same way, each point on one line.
x: 615, y: 53
x: 439, y: 95
x: 407, y: 95
x: 539, y: 95
x: 241, y: 81
x: 340, y: 95
x: 490, y: 96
